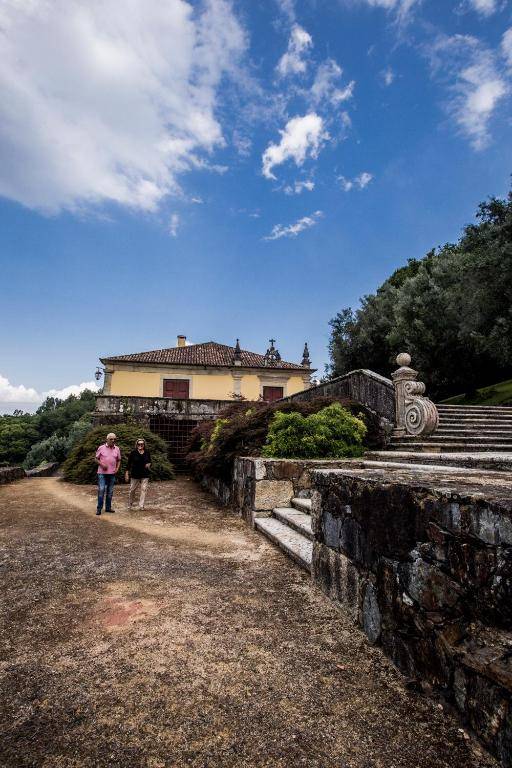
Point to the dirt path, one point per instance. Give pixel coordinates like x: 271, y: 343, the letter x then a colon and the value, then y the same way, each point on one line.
x: 179, y: 637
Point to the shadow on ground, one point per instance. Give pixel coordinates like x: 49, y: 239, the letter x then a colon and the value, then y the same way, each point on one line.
x: 176, y: 636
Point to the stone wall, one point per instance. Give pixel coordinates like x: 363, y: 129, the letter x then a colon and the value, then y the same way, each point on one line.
x: 361, y: 386
x: 424, y: 565
x: 112, y: 409
x: 259, y: 485
x: 46, y: 470
x: 9, y: 474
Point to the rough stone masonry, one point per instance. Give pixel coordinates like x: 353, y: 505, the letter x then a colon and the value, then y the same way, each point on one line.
x: 424, y: 564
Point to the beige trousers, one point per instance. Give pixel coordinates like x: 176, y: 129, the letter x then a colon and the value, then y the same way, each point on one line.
x: 134, y: 484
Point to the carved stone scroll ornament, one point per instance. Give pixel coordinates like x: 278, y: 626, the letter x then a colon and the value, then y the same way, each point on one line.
x: 414, y: 414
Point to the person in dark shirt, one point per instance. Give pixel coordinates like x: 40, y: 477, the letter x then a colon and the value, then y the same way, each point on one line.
x: 139, y: 464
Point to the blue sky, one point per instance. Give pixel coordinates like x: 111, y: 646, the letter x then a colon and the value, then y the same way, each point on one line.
x: 229, y: 170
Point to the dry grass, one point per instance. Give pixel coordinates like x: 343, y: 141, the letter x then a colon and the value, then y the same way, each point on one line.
x: 179, y: 637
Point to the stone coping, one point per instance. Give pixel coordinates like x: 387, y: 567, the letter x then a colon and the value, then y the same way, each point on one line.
x: 357, y: 371
x: 492, y: 487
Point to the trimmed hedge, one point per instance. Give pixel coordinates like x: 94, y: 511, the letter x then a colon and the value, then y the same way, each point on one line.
x: 332, y: 433
x: 81, y: 468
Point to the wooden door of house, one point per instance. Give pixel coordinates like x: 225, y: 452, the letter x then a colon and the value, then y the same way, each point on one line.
x: 271, y: 394
x: 176, y: 389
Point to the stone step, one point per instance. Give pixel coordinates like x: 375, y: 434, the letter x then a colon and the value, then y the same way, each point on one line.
x: 304, y: 505
x: 472, y: 421
x: 450, y: 437
x: 294, y: 544
x: 457, y: 447
x: 299, y: 521
x: 491, y: 462
x: 444, y: 431
x: 475, y: 409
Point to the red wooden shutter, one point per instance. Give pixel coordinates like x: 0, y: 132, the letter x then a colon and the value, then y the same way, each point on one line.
x: 270, y: 394
x: 176, y: 389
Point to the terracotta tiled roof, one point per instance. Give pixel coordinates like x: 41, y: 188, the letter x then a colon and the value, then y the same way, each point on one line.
x: 208, y: 353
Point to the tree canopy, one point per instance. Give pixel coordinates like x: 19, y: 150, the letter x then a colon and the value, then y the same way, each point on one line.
x: 44, y: 435
x: 451, y: 310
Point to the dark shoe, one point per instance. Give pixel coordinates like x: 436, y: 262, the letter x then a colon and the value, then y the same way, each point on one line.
x: 98, y: 511
x: 111, y: 511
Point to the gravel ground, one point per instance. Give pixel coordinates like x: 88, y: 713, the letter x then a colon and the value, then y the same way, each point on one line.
x: 177, y: 636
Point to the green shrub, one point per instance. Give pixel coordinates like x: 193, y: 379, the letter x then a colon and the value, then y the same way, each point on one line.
x: 54, y: 448
x: 57, y: 447
x: 79, y: 429
x: 244, y: 433
x: 80, y: 466
x: 332, y: 433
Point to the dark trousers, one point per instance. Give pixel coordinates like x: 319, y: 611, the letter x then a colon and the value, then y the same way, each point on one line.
x: 105, y: 484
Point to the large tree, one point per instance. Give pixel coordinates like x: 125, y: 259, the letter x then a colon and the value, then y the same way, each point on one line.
x: 452, y: 311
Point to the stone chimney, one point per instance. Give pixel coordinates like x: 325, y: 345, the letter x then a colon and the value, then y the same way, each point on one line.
x: 182, y: 341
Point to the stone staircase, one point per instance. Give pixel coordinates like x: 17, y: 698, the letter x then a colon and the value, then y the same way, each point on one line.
x: 473, y: 436
x: 290, y: 528
x: 472, y: 443
x: 467, y: 428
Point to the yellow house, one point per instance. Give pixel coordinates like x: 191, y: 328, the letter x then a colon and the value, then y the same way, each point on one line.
x: 208, y: 371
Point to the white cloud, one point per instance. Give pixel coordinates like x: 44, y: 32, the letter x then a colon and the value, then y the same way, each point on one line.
x: 299, y: 186
x: 242, y: 144
x: 400, y: 7
x: 301, y: 137
x: 484, y: 7
x: 292, y: 230
x: 73, y: 389
x: 325, y: 86
x: 474, y: 83
x: 388, y: 76
x: 506, y: 46
x: 363, y: 179
x: 11, y: 393
x: 109, y: 102
x: 359, y: 182
x: 174, y: 223
x: 293, y: 62
x: 288, y: 8
x: 346, y: 120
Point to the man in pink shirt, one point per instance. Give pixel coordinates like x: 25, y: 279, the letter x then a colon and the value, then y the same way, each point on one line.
x: 108, y: 459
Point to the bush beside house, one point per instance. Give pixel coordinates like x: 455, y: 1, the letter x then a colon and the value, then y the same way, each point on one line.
x: 81, y: 468
x: 332, y: 433
x: 243, y: 430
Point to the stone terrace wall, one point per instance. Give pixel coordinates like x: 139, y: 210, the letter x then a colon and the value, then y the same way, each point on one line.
x: 46, y: 470
x: 361, y: 386
x: 425, y: 567
x: 112, y: 409
x: 259, y: 484
x: 9, y: 474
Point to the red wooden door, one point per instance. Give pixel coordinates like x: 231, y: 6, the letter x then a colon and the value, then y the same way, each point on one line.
x: 176, y: 389
x: 270, y: 394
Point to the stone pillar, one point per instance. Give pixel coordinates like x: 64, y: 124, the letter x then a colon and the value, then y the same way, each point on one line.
x: 107, y: 381
x: 237, y: 382
x: 414, y: 414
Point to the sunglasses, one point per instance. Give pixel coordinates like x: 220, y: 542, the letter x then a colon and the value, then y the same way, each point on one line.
x: 140, y: 443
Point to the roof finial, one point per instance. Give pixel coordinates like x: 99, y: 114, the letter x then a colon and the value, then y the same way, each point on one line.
x: 306, y: 362
x: 272, y: 356
x: 237, y: 357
